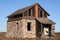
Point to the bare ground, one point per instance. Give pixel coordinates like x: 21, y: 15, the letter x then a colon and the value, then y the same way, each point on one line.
x: 2, y: 37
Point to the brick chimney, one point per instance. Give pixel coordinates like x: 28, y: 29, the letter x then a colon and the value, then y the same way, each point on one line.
x: 36, y: 11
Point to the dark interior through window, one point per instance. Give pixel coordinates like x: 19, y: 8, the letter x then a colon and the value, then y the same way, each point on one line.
x: 40, y: 13
x: 28, y: 26
x: 20, y: 15
x: 45, y: 15
x: 29, y: 12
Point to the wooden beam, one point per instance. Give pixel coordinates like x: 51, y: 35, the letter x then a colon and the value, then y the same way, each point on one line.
x: 23, y: 15
x: 31, y: 12
x: 27, y: 12
x: 42, y: 13
x: 53, y: 29
x: 41, y: 29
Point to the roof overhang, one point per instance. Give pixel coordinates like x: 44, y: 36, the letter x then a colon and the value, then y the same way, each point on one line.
x: 45, y: 21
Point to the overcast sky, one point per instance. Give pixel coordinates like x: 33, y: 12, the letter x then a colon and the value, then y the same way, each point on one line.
x: 9, y: 6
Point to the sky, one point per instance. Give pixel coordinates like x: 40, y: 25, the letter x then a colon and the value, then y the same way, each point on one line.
x: 9, y: 6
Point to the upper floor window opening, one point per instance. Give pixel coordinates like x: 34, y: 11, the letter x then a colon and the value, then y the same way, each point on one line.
x: 45, y: 15
x: 29, y: 12
x: 16, y: 16
x: 41, y: 14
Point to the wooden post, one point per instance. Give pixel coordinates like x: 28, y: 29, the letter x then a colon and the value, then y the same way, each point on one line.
x: 53, y: 30
x: 27, y: 12
x: 31, y: 12
x: 41, y: 31
x: 42, y: 13
x: 41, y: 28
x: 23, y: 15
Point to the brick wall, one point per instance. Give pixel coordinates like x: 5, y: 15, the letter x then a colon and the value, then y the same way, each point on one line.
x: 36, y: 11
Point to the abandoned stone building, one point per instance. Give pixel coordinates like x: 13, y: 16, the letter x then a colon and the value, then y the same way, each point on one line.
x: 30, y: 22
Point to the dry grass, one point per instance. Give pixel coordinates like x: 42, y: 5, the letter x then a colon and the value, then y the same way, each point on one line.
x: 2, y: 37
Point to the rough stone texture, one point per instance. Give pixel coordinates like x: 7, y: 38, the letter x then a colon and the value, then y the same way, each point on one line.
x: 19, y: 29
x: 32, y: 33
x: 14, y: 29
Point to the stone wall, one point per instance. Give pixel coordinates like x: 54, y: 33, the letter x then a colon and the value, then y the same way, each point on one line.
x: 14, y: 29
x: 32, y: 33
x: 19, y: 29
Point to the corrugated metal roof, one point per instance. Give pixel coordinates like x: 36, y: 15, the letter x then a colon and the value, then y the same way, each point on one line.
x: 45, y: 21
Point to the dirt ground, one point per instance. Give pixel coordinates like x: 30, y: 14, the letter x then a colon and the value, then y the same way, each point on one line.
x: 2, y: 37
